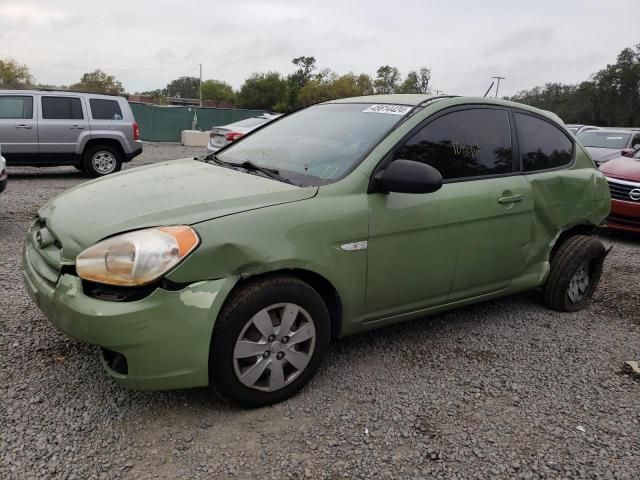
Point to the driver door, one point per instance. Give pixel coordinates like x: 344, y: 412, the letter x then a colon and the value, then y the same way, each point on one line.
x: 465, y: 240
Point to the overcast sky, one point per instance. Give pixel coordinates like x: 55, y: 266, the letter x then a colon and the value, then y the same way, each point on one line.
x: 147, y: 43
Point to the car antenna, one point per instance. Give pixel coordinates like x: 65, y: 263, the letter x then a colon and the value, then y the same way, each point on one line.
x: 488, y: 89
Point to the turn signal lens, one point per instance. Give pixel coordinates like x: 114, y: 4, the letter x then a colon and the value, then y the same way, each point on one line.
x: 136, y: 258
x: 233, y: 136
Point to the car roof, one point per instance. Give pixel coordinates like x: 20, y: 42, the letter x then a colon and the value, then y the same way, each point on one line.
x: 395, y: 99
x: 611, y: 130
x: 62, y: 93
x: 411, y: 99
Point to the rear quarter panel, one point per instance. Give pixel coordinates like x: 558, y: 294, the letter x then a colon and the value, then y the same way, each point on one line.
x: 563, y: 199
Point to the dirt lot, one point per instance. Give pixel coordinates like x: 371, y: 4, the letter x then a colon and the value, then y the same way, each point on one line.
x: 504, y: 389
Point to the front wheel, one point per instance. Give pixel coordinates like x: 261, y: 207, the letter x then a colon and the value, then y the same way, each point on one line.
x: 268, y: 341
x: 575, y: 271
x: 102, y: 160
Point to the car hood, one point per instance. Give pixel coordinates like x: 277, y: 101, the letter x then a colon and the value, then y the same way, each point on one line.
x: 603, y: 154
x: 177, y: 192
x: 624, y: 168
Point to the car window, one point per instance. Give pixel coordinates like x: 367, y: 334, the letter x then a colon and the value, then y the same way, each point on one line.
x: 636, y: 140
x: 16, y: 106
x: 462, y: 144
x: 319, y: 144
x: 61, y: 108
x: 105, y: 109
x: 604, y: 139
x: 542, y: 145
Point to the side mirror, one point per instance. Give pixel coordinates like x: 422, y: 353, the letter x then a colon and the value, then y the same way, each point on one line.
x: 627, y: 152
x: 408, y: 176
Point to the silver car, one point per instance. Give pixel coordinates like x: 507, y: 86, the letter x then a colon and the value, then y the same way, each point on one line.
x: 222, y: 136
x: 40, y: 128
x: 576, y: 129
x: 606, y: 144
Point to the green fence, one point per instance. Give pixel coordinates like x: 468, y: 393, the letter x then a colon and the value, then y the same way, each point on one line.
x: 165, y: 124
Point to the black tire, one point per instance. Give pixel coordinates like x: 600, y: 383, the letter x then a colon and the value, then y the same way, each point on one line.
x: 576, y: 253
x: 239, y: 308
x: 106, y: 150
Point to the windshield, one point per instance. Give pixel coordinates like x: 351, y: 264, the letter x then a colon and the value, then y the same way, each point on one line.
x: 604, y: 139
x: 319, y: 144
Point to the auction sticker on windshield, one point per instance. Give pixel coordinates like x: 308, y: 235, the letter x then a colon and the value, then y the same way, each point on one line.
x: 389, y: 109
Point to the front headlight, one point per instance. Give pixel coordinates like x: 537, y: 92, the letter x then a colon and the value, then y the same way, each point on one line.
x: 136, y: 258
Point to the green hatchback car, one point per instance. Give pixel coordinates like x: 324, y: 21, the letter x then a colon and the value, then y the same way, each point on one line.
x: 236, y: 270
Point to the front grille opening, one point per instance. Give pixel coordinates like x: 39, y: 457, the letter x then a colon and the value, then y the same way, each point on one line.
x: 115, y: 361
x: 622, y: 192
x: 115, y: 293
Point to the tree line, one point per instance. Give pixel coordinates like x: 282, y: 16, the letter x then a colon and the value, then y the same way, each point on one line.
x: 305, y: 85
x: 14, y: 75
x: 609, y: 98
x: 265, y: 90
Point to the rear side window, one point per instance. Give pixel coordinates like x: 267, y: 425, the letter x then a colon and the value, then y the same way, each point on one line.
x: 16, y: 106
x: 61, y: 108
x: 463, y: 144
x: 542, y: 145
x: 105, y: 109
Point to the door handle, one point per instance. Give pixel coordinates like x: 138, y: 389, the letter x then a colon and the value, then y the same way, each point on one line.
x: 511, y: 199
x: 22, y: 125
x: 76, y: 127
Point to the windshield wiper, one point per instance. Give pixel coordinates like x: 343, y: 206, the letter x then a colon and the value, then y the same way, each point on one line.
x: 268, y: 172
x: 213, y: 158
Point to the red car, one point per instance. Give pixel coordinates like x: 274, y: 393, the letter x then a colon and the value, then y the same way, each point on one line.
x: 623, y: 175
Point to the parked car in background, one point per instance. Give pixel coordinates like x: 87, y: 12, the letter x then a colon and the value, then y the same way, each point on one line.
x: 224, y: 135
x: 623, y: 176
x: 44, y: 128
x: 606, y: 144
x: 338, y: 218
x: 3, y: 172
x: 576, y: 129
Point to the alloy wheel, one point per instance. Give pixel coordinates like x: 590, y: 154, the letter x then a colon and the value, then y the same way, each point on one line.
x: 103, y: 162
x: 579, y: 283
x: 274, y: 347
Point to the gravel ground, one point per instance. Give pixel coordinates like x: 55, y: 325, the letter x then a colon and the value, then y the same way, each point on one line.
x: 503, y: 389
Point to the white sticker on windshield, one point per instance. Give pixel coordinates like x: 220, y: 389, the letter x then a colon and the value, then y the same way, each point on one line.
x: 614, y: 138
x: 389, y: 109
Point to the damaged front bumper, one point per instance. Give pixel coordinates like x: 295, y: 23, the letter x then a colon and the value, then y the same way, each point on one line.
x: 159, y: 342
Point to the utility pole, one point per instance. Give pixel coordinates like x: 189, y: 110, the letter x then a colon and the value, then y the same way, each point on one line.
x: 498, y: 85
x: 488, y: 89
x: 200, y: 84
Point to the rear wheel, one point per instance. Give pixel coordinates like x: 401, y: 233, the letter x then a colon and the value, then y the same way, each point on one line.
x: 268, y: 342
x: 102, y: 160
x: 575, y: 271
